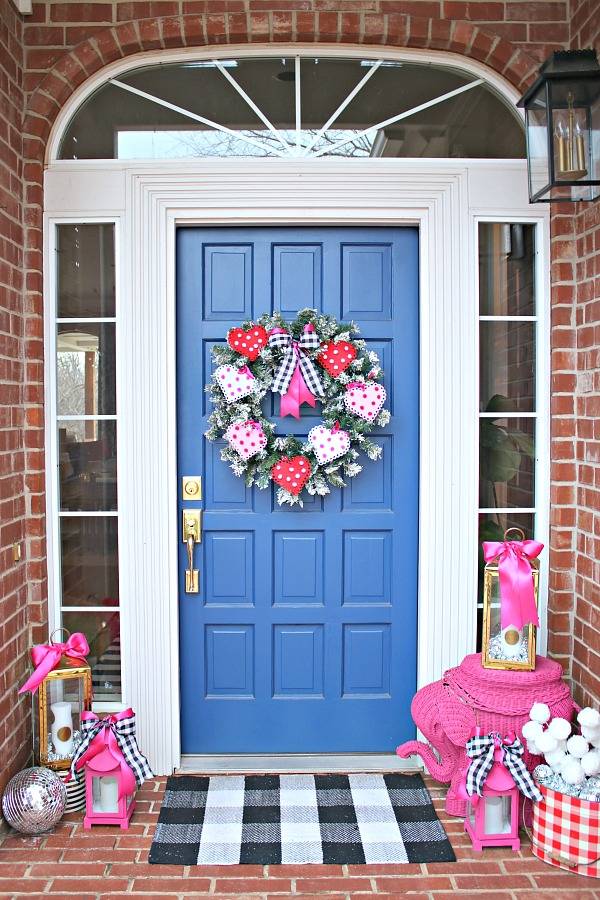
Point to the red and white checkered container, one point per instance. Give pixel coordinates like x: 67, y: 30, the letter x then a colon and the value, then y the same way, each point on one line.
x: 566, y: 832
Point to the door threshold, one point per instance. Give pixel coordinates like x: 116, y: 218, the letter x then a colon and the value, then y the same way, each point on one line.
x: 284, y: 763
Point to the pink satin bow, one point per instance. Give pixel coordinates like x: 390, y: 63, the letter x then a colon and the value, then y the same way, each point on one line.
x: 106, y: 739
x: 516, y: 582
x: 45, y: 658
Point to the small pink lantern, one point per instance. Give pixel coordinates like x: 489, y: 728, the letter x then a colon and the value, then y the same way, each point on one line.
x: 493, y: 819
x: 109, y: 799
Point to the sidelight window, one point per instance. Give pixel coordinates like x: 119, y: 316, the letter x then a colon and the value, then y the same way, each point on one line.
x: 85, y: 448
x: 511, y: 445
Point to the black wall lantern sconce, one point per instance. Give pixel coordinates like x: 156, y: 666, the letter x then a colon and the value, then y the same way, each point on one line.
x: 562, y: 118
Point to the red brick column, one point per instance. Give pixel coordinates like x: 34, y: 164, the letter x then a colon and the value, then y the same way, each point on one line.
x: 14, y: 490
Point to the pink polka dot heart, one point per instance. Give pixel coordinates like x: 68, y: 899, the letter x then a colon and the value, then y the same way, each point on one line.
x: 327, y: 443
x: 365, y: 400
x: 234, y: 382
x: 291, y: 473
x: 246, y: 438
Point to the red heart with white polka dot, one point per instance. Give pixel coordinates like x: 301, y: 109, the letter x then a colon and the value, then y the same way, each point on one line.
x: 248, y: 343
x: 291, y: 473
x: 336, y: 356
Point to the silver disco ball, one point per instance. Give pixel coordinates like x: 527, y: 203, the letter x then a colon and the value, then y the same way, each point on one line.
x: 34, y: 800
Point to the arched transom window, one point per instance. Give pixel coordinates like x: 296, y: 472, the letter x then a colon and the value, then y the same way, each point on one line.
x: 294, y: 106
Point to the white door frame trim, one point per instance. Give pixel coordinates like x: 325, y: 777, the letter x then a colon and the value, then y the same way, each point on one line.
x: 444, y: 198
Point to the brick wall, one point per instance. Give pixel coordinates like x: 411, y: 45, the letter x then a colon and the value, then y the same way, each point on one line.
x: 538, y: 26
x: 66, y: 42
x: 14, y: 640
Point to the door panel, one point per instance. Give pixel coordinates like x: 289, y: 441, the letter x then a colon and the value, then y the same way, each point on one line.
x: 303, y: 636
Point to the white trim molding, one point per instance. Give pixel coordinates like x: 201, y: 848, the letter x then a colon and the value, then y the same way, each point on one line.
x: 442, y: 197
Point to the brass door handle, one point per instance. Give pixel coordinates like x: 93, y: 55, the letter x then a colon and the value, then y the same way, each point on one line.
x: 192, y: 534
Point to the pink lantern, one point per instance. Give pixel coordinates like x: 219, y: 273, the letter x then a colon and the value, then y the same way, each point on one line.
x: 493, y: 819
x: 107, y: 801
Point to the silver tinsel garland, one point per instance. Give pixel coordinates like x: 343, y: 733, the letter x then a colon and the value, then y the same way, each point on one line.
x: 497, y: 651
x: 587, y: 790
x: 52, y: 756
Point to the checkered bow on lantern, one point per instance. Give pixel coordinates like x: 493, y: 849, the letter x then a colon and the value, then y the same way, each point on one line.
x: 119, y: 729
x: 480, y: 749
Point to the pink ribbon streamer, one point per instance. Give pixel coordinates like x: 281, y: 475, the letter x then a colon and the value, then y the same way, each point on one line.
x: 46, y: 657
x: 516, y: 582
x: 106, y: 740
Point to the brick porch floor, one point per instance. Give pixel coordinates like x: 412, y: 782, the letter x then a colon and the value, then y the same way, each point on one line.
x: 106, y: 863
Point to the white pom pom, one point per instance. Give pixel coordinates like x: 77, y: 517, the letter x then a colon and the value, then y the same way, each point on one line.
x: 532, y: 730
x: 546, y: 743
x: 560, y: 729
x: 591, y: 762
x: 540, y: 712
x: 590, y: 734
x: 533, y: 748
x: 556, y: 759
x: 595, y: 742
x: 572, y: 771
x: 577, y: 746
x: 588, y: 717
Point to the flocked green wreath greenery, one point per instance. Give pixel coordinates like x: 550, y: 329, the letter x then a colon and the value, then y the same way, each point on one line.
x: 258, y: 470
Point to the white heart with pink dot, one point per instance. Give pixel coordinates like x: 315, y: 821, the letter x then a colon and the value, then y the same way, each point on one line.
x: 235, y: 383
x: 246, y: 438
x: 365, y: 400
x: 328, y: 443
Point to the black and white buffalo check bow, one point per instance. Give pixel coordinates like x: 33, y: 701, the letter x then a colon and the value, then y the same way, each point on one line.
x: 480, y: 750
x: 122, y: 728
x: 294, y: 353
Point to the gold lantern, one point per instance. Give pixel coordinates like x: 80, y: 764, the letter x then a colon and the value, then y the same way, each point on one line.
x: 512, y: 647
x: 63, y: 695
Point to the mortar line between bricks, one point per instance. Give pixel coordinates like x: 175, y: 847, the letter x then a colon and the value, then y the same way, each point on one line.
x: 213, y: 886
x: 373, y: 885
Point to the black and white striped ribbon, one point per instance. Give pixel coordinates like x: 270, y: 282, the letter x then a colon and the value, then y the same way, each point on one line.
x: 294, y: 354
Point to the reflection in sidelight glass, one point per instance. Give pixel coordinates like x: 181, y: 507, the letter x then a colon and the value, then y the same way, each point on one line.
x: 507, y: 366
x: 88, y: 465
x: 85, y: 270
x: 506, y: 463
x: 85, y: 369
x: 506, y: 269
x: 90, y: 562
x: 102, y: 630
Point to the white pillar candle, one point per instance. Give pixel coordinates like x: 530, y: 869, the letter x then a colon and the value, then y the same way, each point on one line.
x: 62, y: 728
x: 510, y: 638
x: 109, y: 794
x: 494, y: 815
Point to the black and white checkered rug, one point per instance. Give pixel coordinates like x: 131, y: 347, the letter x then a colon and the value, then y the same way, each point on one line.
x: 262, y: 819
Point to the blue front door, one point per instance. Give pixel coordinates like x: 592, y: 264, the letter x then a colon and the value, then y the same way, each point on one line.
x: 303, y: 635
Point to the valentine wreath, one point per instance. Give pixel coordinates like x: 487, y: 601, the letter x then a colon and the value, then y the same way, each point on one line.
x: 315, y: 357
